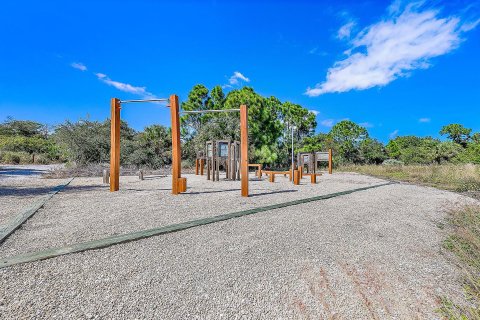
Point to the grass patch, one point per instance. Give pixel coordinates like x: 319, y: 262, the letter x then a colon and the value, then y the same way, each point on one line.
x: 459, y: 178
x: 464, y: 242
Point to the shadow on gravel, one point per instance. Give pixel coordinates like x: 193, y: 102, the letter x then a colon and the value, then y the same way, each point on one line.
x: 22, y: 191
x: 10, y: 172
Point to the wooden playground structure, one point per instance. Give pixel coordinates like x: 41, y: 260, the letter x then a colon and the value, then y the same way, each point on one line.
x: 179, y: 183
x: 231, y: 155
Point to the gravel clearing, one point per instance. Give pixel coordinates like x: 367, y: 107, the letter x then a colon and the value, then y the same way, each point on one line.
x: 371, y: 254
x: 21, y: 186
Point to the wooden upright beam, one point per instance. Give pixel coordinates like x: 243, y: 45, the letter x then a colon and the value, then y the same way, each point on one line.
x: 114, y: 144
x: 330, y: 161
x: 244, y: 148
x: 178, y: 185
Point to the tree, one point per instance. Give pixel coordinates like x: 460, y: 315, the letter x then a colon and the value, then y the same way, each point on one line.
x: 24, y: 128
x: 413, y: 150
x: 372, y: 151
x: 347, y: 136
x: 457, y: 133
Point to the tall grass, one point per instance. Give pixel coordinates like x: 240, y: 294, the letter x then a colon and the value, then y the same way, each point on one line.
x: 460, y: 178
x: 464, y: 242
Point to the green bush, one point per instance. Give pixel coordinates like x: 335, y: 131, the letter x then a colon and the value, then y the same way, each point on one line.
x: 11, y: 157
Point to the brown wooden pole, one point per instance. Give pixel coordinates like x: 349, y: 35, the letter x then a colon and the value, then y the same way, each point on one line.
x: 176, y: 148
x: 202, y: 164
x: 114, y: 144
x: 196, y: 167
x: 330, y: 161
x: 244, y: 148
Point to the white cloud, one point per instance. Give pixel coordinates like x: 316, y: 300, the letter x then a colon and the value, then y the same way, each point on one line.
x: 424, y: 120
x: 236, y: 78
x: 327, y: 123
x: 404, y: 41
x: 345, y: 31
x: 315, y: 112
x: 125, y: 87
x: 393, y: 134
x: 78, y: 65
x: 366, y: 124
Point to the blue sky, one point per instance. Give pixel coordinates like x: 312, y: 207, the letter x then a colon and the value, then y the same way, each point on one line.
x: 397, y: 67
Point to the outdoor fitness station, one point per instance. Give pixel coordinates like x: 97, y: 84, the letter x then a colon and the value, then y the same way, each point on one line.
x: 179, y: 183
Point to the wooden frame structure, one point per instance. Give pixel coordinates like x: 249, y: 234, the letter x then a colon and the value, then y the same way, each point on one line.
x: 311, y: 160
x: 224, y: 153
x: 179, y: 183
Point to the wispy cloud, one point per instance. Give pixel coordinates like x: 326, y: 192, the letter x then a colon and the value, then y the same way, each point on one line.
x: 236, y: 78
x: 393, y: 134
x: 346, y: 30
x: 424, y: 120
x: 327, y: 123
x: 404, y: 41
x: 125, y: 87
x: 316, y: 51
x: 366, y: 124
x: 78, y: 65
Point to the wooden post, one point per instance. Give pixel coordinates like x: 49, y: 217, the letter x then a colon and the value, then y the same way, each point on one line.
x: 272, y: 177
x: 196, y: 167
x: 176, y: 147
x: 106, y: 176
x: 140, y: 174
x: 244, y: 148
x: 330, y: 161
x: 313, y: 178
x: 114, y: 144
x: 202, y: 164
x: 296, y: 177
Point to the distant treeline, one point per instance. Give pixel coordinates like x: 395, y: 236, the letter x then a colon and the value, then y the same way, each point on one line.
x: 270, y: 125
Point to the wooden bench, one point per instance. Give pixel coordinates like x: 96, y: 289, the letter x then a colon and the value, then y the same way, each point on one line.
x: 271, y: 174
x: 259, y: 168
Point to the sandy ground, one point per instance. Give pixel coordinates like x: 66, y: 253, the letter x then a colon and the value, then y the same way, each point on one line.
x: 371, y: 254
x: 21, y: 186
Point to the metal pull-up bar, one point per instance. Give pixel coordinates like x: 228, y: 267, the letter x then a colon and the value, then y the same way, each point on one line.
x: 146, y: 100
x: 210, y: 111
x: 179, y: 183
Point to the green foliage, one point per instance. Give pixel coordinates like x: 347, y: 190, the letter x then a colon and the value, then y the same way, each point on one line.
x: 347, y: 137
x: 471, y: 154
x: 12, y: 127
x: 87, y: 141
x: 457, y: 133
x: 372, y: 151
x: 413, y: 150
x: 152, y: 148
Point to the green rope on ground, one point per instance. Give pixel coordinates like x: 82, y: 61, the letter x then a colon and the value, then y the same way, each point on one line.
x: 134, y: 236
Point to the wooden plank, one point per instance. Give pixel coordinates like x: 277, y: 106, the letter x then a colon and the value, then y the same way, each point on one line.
x: 176, y: 147
x: 17, y: 222
x: 244, y: 148
x: 138, y: 235
x: 114, y: 144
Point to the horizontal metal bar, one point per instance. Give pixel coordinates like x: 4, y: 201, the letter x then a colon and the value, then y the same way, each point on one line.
x: 207, y: 111
x: 145, y: 100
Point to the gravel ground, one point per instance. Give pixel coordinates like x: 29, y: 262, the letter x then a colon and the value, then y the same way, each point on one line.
x: 371, y: 254
x: 20, y: 186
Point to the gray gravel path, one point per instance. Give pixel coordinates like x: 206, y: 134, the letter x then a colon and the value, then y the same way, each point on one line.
x: 372, y: 254
x: 21, y: 186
